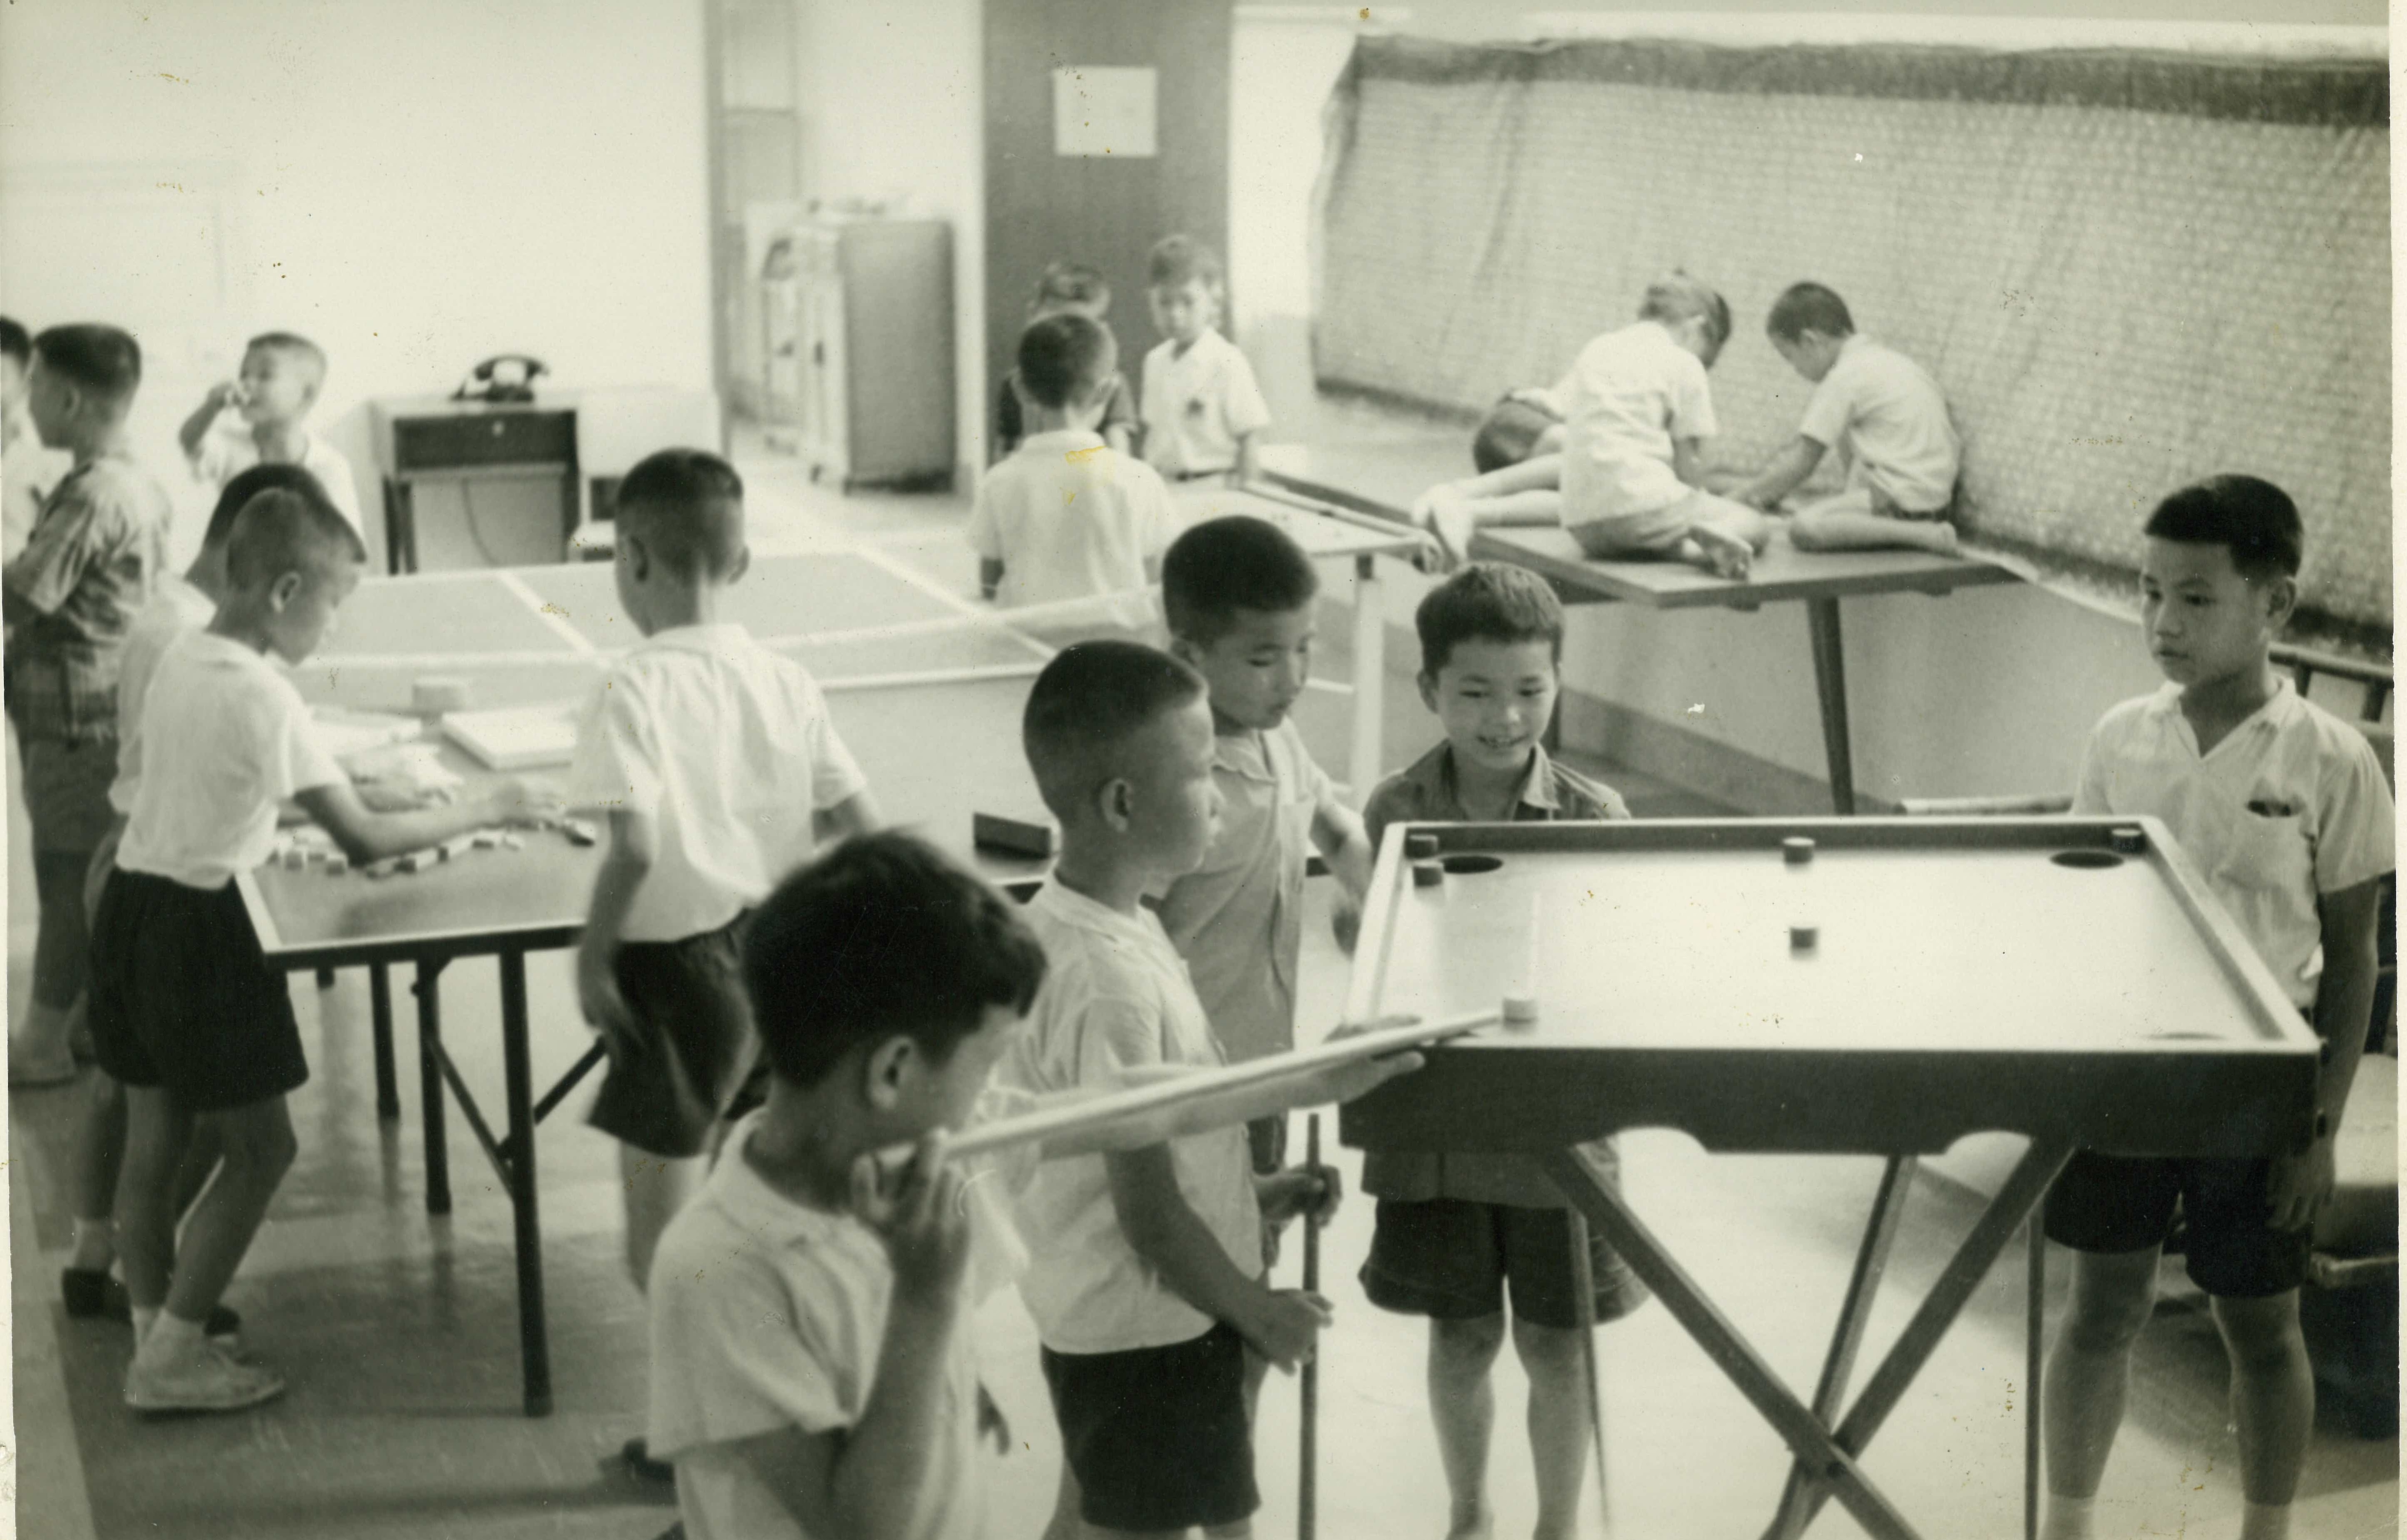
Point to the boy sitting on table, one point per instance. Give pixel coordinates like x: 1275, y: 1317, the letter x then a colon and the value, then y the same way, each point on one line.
x: 1455, y: 1233
x: 187, y: 1013
x: 718, y: 767
x: 814, y: 1358
x: 1067, y: 516
x: 1146, y: 1282
x: 281, y: 376
x: 1884, y: 414
x: 2283, y: 808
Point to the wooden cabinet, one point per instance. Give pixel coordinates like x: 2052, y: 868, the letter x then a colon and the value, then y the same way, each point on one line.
x: 861, y: 376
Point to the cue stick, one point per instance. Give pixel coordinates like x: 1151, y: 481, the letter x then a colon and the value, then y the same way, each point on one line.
x: 1307, y: 1462
x: 1584, y: 1282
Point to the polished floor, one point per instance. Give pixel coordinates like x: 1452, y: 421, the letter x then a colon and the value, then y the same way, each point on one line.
x: 398, y: 1331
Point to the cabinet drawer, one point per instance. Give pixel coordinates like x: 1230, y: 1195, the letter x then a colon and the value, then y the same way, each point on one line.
x: 483, y: 438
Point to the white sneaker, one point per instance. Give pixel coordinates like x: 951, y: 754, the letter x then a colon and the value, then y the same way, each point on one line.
x: 208, y: 1380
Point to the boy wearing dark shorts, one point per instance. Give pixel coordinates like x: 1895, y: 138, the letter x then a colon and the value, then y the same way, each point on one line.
x: 718, y: 769
x: 2283, y: 808
x: 186, y: 1013
x: 1457, y: 1234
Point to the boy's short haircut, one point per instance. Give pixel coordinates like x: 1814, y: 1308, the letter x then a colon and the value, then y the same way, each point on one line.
x: 1677, y: 297
x: 1070, y: 283
x: 283, y: 530
x: 291, y: 345
x: 16, y: 342
x: 2254, y: 517
x: 268, y: 476
x: 105, y: 360
x: 1509, y: 434
x: 1063, y: 358
x: 1085, y: 707
x: 1177, y: 260
x: 1231, y: 563
x: 879, y: 938
x: 686, y: 506
x: 1808, y: 308
x: 1488, y: 601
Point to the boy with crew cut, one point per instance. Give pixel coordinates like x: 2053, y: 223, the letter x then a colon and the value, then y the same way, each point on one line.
x: 1069, y: 289
x: 1884, y: 415
x: 27, y: 470
x: 279, y: 384
x: 69, y: 597
x: 1067, y: 516
x: 181, y: 605
x: 2283, y: 808
x: 1203, y: 407
x: 1455, y: 1234
x: 1240, y: 597
x: 186, y: 1013
x: 1146, y: 1281
x: 717, y: 766
x: 815, y: 1371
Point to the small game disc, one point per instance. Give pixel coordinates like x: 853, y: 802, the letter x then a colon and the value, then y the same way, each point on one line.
x: 2129, y: 840
x: 436, y: 694
x: 1427, y: 874
x: 1803, y: 938
x: 1797, y: 850
x: 1420, y: 847
x: 1520, y: 1007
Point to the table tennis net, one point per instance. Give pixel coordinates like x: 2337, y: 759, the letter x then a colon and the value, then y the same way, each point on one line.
x: 2127, y: 270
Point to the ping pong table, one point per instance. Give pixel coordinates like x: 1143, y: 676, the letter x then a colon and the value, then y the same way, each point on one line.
x: 925, y: 685
x: 1385, y: 479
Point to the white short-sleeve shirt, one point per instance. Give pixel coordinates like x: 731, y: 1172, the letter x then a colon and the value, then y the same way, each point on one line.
x: 729, y: 749
x: 767, y: 1315
x: 1884, y: 415
x: 227, y: 738
x: 2289, y: 805
x: 1631, y: 394
x: 1070, y: 518
x: 1197, y: 404
x: 227, y: 450
x: 175, y: 607
x: 1116, y: 997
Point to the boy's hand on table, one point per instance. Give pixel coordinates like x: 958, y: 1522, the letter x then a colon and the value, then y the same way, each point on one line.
x: 917, y: 1214
x: 1307, y: 1192
x: 2301, y: 1185
x: 525, y: 804
x: 1284, y: 1325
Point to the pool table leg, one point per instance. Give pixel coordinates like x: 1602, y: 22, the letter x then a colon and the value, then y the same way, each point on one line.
x: 1831, y: 689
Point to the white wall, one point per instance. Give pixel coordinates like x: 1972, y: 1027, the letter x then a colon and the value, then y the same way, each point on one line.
x: 893, y: 104
x: 415, y: 185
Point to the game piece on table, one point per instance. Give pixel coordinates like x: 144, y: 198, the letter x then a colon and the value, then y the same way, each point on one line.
x: 295, y: 858
x: 512, y: 841
x: 383, y: 869
x: 419, y: 860
x: 579, y: 831
x: 436, y: 694
x: 1427, y: 874
x: 1797, y: 850
x: 1011, y: 836
x: 1803, y: 938
x: 1521, y: 1008
x: 1419, y: 847
x: 2129, y: 840
x: 458, y: 846
x: 338, y: 863
x: 486, y: 839
x: 1521, y: 997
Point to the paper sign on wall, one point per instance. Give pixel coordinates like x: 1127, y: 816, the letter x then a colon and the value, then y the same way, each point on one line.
x: 1103, y: 110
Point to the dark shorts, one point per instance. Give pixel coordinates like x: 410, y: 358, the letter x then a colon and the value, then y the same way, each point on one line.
x: 695, y: 1042
x: 66, y: 790
x: 1158, y: 1436
x: 182, y: 999
x: 1452, y: 1259
x: 2116, y: 1203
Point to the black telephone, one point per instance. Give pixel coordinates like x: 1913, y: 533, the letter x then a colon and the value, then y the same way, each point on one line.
x: 502, y: 378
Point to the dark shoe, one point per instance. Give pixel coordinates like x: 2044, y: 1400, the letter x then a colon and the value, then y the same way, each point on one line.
x: 93, y: 1294
x: 643, y: 1468
x: 674, y: 1532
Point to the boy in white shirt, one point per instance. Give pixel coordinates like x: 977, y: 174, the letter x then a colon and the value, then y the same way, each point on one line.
x: 281, y: 376
x: 1637, y: 411
x: 718, y: 767
x: 814, y: 1367
x: 186, y: 1013
x: 1067, y: 517
x: 2283, y: 808
x: 1884, y: 415
x: 1202, y: 408
x: 181, y: 604
x: 1146, y: 1280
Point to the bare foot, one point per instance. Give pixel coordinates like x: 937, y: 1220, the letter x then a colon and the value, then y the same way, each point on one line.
x: 1939, y: 538
x: 1725, y: 555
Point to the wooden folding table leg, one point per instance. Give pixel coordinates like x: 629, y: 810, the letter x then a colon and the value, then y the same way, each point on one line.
x: 1578, y: 1180
x: 1307, y: 1495
x: 1830, y: 687
x: 427, y: 987
x: 388, y: 1093
x: 1369, y: 677
x: 1583, y: 1286
x: 2034, y: 1366
x: 535, y: 1348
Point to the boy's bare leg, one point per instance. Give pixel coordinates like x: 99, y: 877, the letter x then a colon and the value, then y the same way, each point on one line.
x: 656, y: 1188
x: 2272, y: 1399
x: 2088, y: 1379
x: 1454, y: 520
x: 157, y: 1129
x: 256, y: 1149
x: 1463, y: 1407
x: 1841, y: 530
x: 1559, y: 1428
x: 1065, y: 1524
